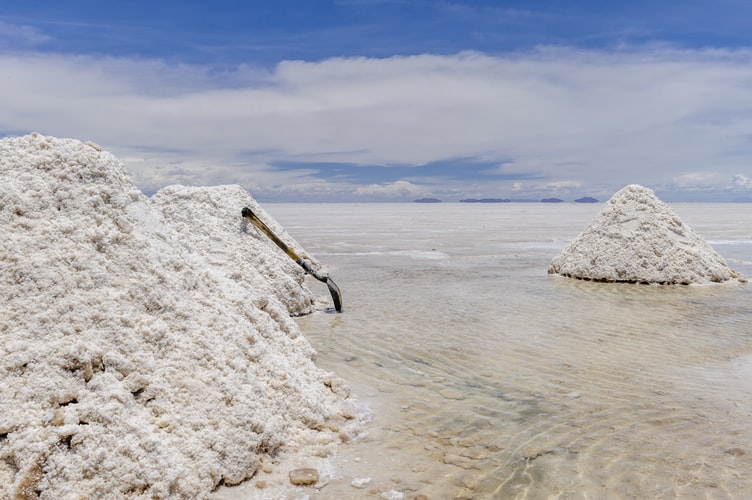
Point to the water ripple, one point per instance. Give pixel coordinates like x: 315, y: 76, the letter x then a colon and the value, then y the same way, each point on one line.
x: 490, y: 379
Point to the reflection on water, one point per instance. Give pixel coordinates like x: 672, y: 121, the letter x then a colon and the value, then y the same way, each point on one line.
x: 491, y: 379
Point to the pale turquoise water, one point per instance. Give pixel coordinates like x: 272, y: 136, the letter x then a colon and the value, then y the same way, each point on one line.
x: 491, y: 379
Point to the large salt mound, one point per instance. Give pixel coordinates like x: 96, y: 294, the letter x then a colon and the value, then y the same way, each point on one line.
x: 637, y: 238
x: 131, y: 365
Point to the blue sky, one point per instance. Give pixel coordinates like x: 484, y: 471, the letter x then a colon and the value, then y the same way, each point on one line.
x: 379, y: 100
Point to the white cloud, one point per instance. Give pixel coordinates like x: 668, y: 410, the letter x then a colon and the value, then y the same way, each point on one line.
x: 397, y: 189
x: 19, y: 35
x: 742, y: 181
x: 600, y: 119
x: 564, y: 184
x: 700, y: 180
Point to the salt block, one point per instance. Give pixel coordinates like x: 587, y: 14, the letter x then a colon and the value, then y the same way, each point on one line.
x: 637, y: 238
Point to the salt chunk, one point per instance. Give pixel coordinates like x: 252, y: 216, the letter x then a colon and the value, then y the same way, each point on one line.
x: 304, y: 477
x: 392, y: 495
x: 360, y: 482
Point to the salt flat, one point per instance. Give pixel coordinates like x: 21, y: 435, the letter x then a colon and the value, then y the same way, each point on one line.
x: 489, y: 378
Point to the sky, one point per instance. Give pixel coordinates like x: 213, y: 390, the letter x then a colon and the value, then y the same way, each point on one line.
x: 394, y: 100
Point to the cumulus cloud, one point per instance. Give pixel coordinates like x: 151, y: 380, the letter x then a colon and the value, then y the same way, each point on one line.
x: 742, y: 181
x: 589, y: 120
x: 563, y: 184
x: 397, y: 189
x: 700, y: 180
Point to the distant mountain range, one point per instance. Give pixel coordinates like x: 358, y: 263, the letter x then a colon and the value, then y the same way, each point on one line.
x: 586, y: 199
x: 486, y: 200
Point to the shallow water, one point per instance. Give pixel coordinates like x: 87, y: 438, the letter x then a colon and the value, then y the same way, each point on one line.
x: 490, y: 379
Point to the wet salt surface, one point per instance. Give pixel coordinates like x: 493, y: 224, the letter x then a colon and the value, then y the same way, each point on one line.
x: 490, y: 379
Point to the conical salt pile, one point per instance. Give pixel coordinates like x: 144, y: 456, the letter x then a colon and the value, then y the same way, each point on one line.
x: 134, y: 362
x: 637, y: 238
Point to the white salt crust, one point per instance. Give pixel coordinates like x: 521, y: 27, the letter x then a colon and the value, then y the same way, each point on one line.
x: 147, y: 349
x: 637, y: 238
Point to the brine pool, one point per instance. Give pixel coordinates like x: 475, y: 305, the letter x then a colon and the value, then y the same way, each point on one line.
x: 488, y: 378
